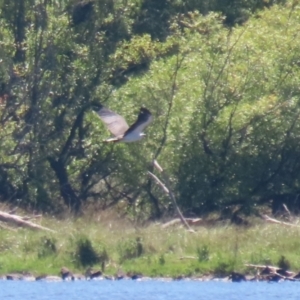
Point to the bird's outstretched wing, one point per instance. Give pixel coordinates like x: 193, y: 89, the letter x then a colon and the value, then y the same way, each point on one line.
x: 115, y: 123
x: 143, y: 120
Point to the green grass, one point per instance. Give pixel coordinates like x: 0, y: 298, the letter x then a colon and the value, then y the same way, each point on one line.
x: 116, y: 245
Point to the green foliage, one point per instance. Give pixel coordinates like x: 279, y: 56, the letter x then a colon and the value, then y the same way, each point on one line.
x: 222, y: 269
x: 241, y: 145
x: 47, y: 247
x: 203, y: 253
x: 129, y: 249
x: 219, y: 106
x: 86, y: 255
x: 225, y: 103
x: 162, y: 260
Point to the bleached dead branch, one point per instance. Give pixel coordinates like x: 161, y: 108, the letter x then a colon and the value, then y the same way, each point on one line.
x: 272, y: 220
x: 166, y: 187
x: 19, y: 221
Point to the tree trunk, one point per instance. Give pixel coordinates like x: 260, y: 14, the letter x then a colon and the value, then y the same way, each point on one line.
x: 156, y: 210
x: 66, y: 190
x: 20, y: 32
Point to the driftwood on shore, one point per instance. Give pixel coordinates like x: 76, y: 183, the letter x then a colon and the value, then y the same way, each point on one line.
x: 274, y: 273
x: 19, y: 221
x: 263, y: 267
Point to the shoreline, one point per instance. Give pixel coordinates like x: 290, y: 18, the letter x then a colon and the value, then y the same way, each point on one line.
x: 266, y: 275
x: 117, y: 249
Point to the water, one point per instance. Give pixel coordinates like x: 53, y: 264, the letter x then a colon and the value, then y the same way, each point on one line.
x: 148, y: 290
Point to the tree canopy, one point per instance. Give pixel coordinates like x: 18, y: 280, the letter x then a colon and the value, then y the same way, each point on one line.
x: 220, y: 77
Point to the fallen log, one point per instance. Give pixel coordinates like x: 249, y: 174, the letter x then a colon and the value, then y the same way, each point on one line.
x: 187, y: 257
x: 272, y: 220
x: 16, y: 220
x: 190, y: 221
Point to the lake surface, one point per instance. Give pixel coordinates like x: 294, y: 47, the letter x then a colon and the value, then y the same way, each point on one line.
x: 148, y: 290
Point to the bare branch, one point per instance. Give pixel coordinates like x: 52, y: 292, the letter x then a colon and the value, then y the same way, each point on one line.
x: 166, y: 187
x: 271, y: 220
x: 6, y: 217
x: 159, y: 182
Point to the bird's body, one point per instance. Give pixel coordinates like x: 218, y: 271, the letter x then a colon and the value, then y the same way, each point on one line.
x: 117, y: 125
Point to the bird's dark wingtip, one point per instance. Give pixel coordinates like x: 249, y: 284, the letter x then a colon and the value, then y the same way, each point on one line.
x: 96, y: 106
x: 143, y: 109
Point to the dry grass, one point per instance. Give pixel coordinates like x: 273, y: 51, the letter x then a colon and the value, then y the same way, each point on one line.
x: 150, y: 250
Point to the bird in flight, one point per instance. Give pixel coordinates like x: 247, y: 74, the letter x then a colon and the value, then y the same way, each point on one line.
x: 117, y: 125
